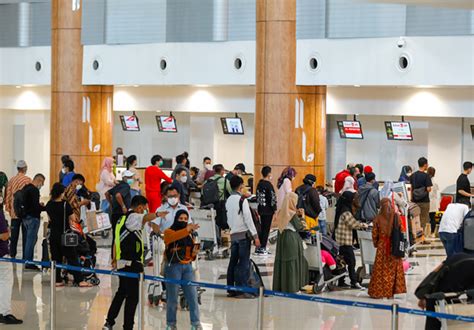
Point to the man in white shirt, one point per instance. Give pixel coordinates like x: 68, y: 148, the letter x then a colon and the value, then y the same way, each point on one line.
x: 450, y: 223
x: 166, y: 213
x: 241, y: 225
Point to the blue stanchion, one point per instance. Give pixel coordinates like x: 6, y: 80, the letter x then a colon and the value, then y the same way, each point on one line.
x: 313, y: 298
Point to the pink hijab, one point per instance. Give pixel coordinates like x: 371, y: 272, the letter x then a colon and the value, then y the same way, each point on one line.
x: 107, y: 164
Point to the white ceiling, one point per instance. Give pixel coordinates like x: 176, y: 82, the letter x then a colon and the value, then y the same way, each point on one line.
x: 463, y: 4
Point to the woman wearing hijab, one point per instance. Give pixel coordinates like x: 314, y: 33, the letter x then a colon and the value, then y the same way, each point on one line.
x: 349, y: 185
x: 106, y: 182
x: 405, y: 174
x: 290, y: 271
x: 180, y: 252
x: 345, y: 223
x: 284, y: 184
x: 388, y: 277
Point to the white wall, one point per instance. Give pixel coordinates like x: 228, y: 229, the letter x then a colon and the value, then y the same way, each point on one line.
x: 198, y: 133
x: 17, y: 65
x: 438, y: 139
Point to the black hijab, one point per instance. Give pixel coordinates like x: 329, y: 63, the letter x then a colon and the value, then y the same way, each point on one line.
x: 344, y: 204
x: 179, y: 225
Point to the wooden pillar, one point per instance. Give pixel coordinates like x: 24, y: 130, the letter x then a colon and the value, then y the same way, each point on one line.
x: 81, y: 116
x: 290, y: 121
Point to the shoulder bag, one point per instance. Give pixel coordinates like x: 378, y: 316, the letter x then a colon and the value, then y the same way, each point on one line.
x: 68, y: 238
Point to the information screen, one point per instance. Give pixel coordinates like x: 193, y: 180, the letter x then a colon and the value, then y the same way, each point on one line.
x: 130, y: 123
x: 398, y: 130
x: 350, y: 129
x: 232, y: 125
x: 166, y: 124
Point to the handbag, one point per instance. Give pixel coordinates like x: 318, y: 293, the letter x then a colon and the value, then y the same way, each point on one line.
x: 68, y: 238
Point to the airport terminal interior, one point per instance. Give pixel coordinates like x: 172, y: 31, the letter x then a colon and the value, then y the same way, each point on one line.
x: 237, y: 164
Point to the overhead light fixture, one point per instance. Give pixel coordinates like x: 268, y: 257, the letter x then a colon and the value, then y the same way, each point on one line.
x: 136, y: 85
x: 17, y: 86
x: 425, y: 86
x: 356, y: 85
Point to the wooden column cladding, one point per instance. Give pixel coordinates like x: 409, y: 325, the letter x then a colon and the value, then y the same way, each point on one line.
x: 290, y: 122
x: 81, y: 116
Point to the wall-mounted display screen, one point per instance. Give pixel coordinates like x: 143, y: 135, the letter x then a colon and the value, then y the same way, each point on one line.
x: 350, y: 129
x: 166, y: 124
x: 130, y: 123
x: 232, y: 125
x: 398, y: 130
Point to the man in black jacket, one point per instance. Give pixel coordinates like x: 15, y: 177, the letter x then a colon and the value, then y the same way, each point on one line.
x: 32, y: 220
x: 267, y: 204
x: 308, y: 197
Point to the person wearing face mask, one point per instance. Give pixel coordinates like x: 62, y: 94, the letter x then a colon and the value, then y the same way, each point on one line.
x: 153, y: 178
x: 167, y: 212
x: 180, y: 251
x: 120, y: 197
x: 129, y: 257
x: 70, y: 195
x: 68, y: 170
x: 207, y: 167
x: 267, y: 205
x: 180, y: 180
x: 32, y: 220
x: 64, y: 158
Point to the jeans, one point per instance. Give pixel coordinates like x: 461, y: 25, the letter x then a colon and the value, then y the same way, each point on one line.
x: 266, y: 223
x: 128, y: 290
x: 347, y: 252
x: 238, y: 271
x: 183, y: 272
x: 6, y: 285
x: 31, y: 227
x: 450, y: 242
x: 15, y: 234
x: 323, y: 226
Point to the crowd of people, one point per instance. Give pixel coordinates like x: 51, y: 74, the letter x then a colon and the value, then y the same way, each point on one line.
x: 294, y: 213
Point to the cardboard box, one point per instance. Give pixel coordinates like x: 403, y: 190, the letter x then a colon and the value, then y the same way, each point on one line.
x: 97, y: 221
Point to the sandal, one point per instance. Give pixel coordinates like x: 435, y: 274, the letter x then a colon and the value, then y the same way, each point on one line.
x: 84, y: 285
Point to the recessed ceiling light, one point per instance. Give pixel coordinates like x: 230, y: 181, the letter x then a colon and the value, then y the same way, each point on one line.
x: 17, y: 86
x: 356, y: 85
x: 136, y: 85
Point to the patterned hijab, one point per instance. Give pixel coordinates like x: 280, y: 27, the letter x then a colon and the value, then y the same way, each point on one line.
x: 287, y: 211
x: 385, y: 217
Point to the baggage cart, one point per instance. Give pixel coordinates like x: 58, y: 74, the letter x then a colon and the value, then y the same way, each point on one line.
x: 367, y: 255
x: 457, y: 303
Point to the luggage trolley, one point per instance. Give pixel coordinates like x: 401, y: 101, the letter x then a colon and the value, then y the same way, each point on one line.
x: 458, y: 303
x: 155, y: 289
x: 206, y: 219
x: 313, y: 255
x: 367, y: 255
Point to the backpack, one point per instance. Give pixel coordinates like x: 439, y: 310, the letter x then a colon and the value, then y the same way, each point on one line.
x: 210, y: 192
x: 304, y: 203
x: 254, y: 213
x: 255, y: 279
x: 397, y: 239
x: 19, y: 203
x: 468, y: 231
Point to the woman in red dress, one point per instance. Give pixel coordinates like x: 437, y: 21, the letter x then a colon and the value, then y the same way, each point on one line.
x: 388, y: 277
x: 153, y: 177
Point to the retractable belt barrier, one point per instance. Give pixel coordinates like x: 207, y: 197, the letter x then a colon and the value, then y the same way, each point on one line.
x: 393, y: 308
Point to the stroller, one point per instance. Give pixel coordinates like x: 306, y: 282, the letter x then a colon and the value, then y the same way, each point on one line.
x: 86, y: 251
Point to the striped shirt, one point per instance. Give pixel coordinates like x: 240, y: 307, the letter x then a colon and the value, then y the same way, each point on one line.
x: 15, y: 184
x: 72, y: 199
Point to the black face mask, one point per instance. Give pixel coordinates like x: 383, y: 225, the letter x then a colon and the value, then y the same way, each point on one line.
x: 177, y: 225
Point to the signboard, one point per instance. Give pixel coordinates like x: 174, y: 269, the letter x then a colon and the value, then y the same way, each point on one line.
x: 350, y: 129
x: 130, y: 123
x: 166, y: 124
x: 398, y: 130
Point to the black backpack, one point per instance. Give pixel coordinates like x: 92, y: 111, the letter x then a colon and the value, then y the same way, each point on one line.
x: 19, y: 203
x: 210, y: 192
x: 304, y: 203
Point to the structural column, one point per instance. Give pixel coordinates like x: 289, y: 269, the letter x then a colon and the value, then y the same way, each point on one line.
x: 290, y: 122
x: 81, y: 116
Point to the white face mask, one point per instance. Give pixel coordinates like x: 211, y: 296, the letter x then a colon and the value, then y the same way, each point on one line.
x: 183, y: 179
x: 173, y: 201
x: 63, y: 170
x: 208, y: 167
x: 79, y: 187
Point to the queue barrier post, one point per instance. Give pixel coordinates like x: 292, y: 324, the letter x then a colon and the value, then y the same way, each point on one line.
x: 260, y: 308
x: 394, y: 317
x: 52, y: 307
x: 141, y: 303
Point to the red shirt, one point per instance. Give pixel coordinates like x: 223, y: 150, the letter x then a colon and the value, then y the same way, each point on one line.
x: 153, y: 178
x: 339, y: 180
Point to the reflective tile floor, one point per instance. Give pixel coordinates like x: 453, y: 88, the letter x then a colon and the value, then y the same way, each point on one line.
x: 85, y: 308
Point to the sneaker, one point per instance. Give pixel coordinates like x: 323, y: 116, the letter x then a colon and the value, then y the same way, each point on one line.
x: 343, y: 285
x: 258, y: 252
x: 9, y: 319
x: 171, y: 327
x: 268, y: 251
x: 232, y: 294
x: 245, y: 296
x: 108, y: 326
x: 357, y: 286
x: 33, y: 267
x: 196, y: 327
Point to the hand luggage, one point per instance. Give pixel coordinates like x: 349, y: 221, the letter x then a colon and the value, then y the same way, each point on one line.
x: 468, y: 231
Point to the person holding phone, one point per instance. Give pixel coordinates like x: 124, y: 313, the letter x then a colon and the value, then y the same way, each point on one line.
x: 167, y: 211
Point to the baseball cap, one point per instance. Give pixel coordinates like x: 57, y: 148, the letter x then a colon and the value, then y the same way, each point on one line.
x: 127, y: 174
x: 368, y: 169
x: 21, y: 164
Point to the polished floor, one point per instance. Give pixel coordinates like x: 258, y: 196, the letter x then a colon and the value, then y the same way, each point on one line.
x: 85, y: 308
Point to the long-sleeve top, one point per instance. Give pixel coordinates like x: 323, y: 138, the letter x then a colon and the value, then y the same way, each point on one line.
x: 172, y: 236
x: 106, y: 182
x: 347, y: 223
x: 153, y: 178
x: 224, y: 186
x: 189, y: 183
x: 31, y: 198
x: 282, y: 191
x: 70, y: 196
x: 266, y: 198
x: 313, y: 197
x: 239, y: 222
x: 15, y: 184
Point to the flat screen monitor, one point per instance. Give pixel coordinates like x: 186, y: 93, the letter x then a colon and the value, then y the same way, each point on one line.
x: 232, y: 125
x: 130, y: 123
x: 350, y: 129
x: 166, y: 124
x: 398, y: 130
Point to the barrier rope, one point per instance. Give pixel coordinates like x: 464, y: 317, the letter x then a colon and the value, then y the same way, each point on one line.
x: 404, y: 310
